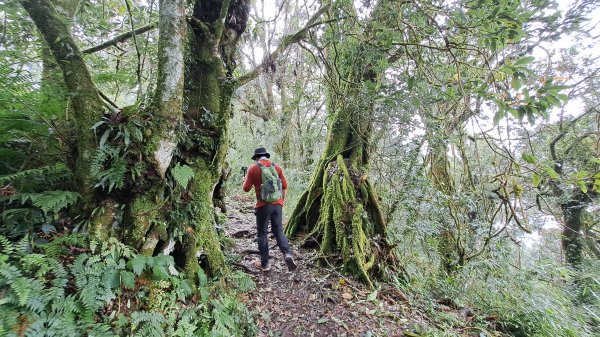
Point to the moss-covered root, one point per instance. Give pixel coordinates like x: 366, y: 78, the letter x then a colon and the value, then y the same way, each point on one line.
x: 102, y: 218
x: 203, y: 237
x: 342, y: 225
x: 298, y: 218
x: 307, y: 212
x: 144, y: 213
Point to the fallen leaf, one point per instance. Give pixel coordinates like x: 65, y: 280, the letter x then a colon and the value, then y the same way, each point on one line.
x: 347, y: 296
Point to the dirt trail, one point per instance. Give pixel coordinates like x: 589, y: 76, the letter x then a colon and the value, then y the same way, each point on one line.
x: 312, y: 301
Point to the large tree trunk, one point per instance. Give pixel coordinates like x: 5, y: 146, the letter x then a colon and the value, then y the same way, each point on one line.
x: 340, y: 210
x: 572, y: 239
x: 448, y: 247
x: 166, y: 109
x: 55, y: 99
x: 86, y: 104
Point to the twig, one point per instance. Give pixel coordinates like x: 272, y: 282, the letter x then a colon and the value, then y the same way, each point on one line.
x: 246, y: 268
x: 138, y: 71
x: 113, y: 104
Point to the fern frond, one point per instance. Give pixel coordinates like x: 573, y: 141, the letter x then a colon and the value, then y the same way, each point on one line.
x: 56, y: 247
x: 22, y: 287
x: 182, y: 174
x: 6, y: 248
x: 9, y: 273
x: 37, y: 261
x: 47, y: 201
x: 49, y: 174
x: 11, y: 178
x: 109, y: 167
x: 147, y: 324
x: 23, y: 246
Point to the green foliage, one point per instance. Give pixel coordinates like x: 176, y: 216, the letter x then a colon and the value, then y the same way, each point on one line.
x: 182, y: 174
x: 517, y: 302
x: 106, y: 290
x: 241, y: 281
x: 109, y: 167
x: 49, y: 201
x: 120, y: 145
x: 28, y: 205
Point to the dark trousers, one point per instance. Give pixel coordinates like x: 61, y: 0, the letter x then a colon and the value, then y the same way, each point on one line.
x: 264, y: 214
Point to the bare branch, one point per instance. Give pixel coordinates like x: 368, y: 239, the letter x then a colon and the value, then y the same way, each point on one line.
x: 286, y: 41
x: 120, y: 38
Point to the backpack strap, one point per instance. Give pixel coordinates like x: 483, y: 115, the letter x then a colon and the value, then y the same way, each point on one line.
x: 261, y: 165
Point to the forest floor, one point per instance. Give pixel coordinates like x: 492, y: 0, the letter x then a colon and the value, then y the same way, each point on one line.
x: 313, y: 300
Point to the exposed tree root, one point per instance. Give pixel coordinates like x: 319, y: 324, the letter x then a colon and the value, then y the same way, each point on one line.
x: 343, y: 215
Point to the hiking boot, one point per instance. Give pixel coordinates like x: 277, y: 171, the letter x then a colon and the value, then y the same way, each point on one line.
x: 289, y: 260
x: 262, y: 268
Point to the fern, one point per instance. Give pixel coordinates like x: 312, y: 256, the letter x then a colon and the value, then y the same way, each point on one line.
x: 241, y: 281
x: 57, y: 246
x: 109, y: 167
x: 49, y: 174
x: 22, y: 246
x: 182, y: 174
x: 11, y: 178
x: 22, y: 287
x: 37, y: 261
x: 47, y: 201
x: 7, y: 248
x: 54, y: 201
x: 55, y: 297
x: 147, y: 324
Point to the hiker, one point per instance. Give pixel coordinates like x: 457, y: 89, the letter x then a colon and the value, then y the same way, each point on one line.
x: 270, y: 186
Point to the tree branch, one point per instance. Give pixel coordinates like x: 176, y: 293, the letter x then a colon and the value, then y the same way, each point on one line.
x: 286, y: 41
x: 120, y: 38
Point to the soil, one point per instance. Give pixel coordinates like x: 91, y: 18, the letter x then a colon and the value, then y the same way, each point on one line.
x: 313, y: 300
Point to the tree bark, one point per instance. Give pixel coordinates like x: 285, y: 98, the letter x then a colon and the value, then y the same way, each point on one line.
x: 87, y: 106
x: 340, y: 210
x: 572, y: 240
x: 448, y: 247
x: 166, y: 109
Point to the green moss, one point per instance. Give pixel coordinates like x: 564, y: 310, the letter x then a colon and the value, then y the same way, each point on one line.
x: 102, y: 219
x: 149, y: 244
x: 342, y: 226
x: 205, y: 236
x: 189, y: 244
x: 144, y: 211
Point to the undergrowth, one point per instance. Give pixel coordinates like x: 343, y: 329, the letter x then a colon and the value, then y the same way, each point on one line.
x: 550, y: 300
x: 72, y: 287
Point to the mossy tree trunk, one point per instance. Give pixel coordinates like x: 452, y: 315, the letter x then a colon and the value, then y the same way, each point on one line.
x: 86, y: 104
x: 572, y: 200
x: 340, y: 209
x: 147, y: 220
x: 572, y: 240
x: 55, y: 93
x: 449, y: 248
